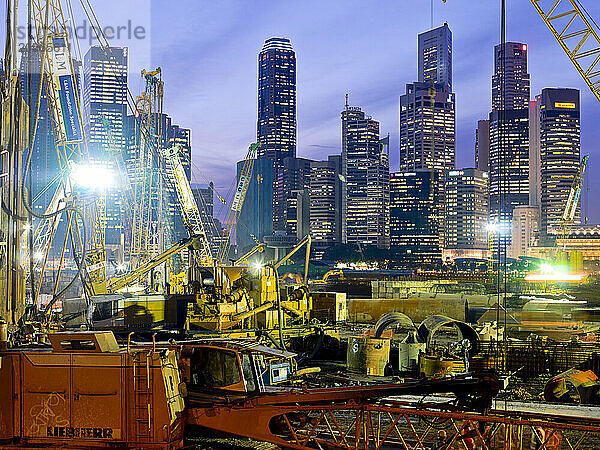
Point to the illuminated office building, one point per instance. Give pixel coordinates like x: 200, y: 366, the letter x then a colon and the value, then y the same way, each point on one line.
x: 276, y: 126
x: 509, y: 133
x: 427, y: 109
x: 427, y: 127
x: 415, y: 218
x: 325, y: 203
x: 276, y: 130
x: 365, y: 190
x: 559, y: 140
x: 291, y: 204
x: 105, y: 101
x: 466, y: 209
x: 516, y: 87
x: 435, y: 56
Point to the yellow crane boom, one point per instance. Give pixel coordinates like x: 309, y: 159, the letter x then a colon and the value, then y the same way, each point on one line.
x: 238, y: 201
x: 580, y: 41
x: 190, y: 213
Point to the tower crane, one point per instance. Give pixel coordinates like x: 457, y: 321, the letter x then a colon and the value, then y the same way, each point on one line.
x: 580, y: 41
x: 575, y: 34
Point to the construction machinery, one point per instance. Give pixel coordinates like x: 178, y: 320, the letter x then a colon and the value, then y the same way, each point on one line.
x: 249, y: 299
x: 87, y: 391
x: 147, y: 182
x: 81, y: 203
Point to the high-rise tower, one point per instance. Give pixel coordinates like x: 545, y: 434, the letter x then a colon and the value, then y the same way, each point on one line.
x: 365, y: 192
x: 427, y: 127
x: 516, y: 80
x: 427, y: 109
x: 276, y: 128
x: 105, y: 102
x: 559, y: 153
x: 435, y: 56
x: 509, y: 132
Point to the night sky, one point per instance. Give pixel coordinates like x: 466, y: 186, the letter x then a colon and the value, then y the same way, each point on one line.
x: 208, y: 51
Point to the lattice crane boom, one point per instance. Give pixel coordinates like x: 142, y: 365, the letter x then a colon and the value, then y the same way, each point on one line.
x: 190, y: 213
x: 576, y: 36
x: 238, y: 202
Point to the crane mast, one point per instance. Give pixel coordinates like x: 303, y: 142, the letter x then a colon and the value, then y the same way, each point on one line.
x: 59, y: 81
x: 148, y: 111
x: 13, y: 139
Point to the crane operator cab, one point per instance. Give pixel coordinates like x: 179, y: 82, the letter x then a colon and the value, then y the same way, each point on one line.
x: 235, y: 367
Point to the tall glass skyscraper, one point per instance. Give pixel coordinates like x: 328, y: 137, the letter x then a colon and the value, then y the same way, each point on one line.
x: 415, y: 218
x: 509, y: 132
x: 427, y: 127
x: 276, y: 128
x: 365, y: 192
x: 105, y: 101
x: 559, y: 138
x: 435, y: 56
x: 427, y: 109
x: 325, y: 203
x: 516, y: 80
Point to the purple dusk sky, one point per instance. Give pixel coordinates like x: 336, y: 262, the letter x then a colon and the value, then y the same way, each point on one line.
x: 208, y: 53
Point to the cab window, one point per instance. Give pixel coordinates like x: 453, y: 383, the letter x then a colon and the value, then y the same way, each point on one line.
x: 214, y: 368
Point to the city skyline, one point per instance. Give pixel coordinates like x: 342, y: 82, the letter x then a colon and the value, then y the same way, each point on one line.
x: 374, y: 83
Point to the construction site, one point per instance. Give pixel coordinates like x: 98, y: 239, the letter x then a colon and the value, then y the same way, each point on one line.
x: 162, y: 343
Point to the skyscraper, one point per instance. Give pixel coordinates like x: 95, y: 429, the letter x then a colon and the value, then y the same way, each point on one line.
x: 44, y: 161
x: 509, y: 162
x: 427, y: 127
x: 427, y: 109
x: 414, y: 218
x: 365, y: 192
x: 291, y: 183
x: 276, y: 129
x: 326, y: 203
x: 435, y: 56
x: 509, y: 132
x: 482, y: 145
x: 466, y: 209
x: 559, y: 153
x: 516, y: 87
x: 105, y: 102
x: 535, y: 161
